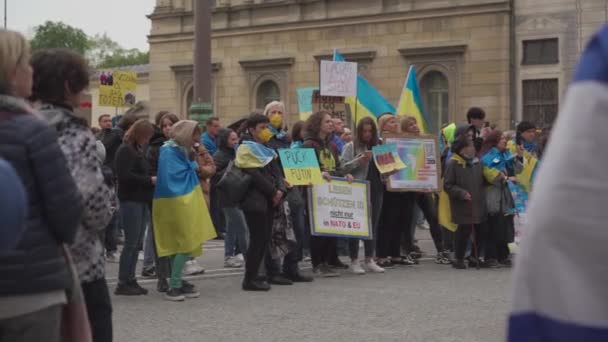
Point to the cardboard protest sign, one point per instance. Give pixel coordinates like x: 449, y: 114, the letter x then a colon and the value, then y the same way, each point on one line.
x: 117, y: 88
x: 386, y: 158
x: 300, y: 166
x: 338, y: 208
x: 335, y: 106
x: 420, y: 154
x: 338, y: 78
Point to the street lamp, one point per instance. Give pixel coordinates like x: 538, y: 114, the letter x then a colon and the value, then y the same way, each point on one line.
x: 201, y: 108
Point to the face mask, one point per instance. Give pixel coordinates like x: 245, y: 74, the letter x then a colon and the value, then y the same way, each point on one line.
x: 276, y: 120
x: 265, y: 135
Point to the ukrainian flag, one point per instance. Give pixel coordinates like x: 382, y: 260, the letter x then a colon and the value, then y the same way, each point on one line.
x: 368, y: 102
x: 179, y: 212
x: 411, y: 102
x: 251, y: 155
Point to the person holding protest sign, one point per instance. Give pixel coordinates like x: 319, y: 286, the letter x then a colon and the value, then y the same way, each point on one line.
x: 356, y: 158
x: 266, y: 190
x: 397, y: 208
x: 317, y: 135
x: 426, y: 202
x: 464, y: 184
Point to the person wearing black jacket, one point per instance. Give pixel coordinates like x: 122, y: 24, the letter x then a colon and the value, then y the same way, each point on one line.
x: 135, y: 190
x: 265, y: 192
x: 31, y: 298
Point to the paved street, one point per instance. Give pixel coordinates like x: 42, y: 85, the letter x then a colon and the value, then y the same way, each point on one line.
x: 427, y: 302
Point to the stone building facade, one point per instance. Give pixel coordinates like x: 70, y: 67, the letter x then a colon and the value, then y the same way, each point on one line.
x: 467, y: 52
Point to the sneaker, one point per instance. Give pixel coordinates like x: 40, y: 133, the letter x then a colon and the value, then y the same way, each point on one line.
x: 189, y: 291
x: 130, y: 289
x: 442, y: 260
x: 193, y: 268
x: 298, y: 278
x: 404, y: 260
x: 187, y: 284
x: 162, y: 285
x: 474, y: 262
x: 371, y: 266
x: 148, y: 272
x: 240, y: 257
x: 325, y: 272
x: 459, y: 264
x: 112, y: 257
x: 386, y: 263
x: 175, y: 295
x: 232, y: 262
x: 491, y: 263
x: 355, y: 268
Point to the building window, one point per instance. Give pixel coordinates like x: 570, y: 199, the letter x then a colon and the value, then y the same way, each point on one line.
x: 540, y: 101
x: 541, y: 51
x: 268, y: 91
x: 435, y: 98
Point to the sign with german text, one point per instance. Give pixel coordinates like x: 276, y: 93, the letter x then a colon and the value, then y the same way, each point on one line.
x: 335, y: 106
x: 338, y: 78
x: 117, y: 88
x: 300, y: 166
x: 340, y: 209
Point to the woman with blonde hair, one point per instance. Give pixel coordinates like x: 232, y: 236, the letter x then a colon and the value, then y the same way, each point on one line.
x: 135, y: 187
x: 31, y: 298
x: 275, y: 112
x: 182, y: 222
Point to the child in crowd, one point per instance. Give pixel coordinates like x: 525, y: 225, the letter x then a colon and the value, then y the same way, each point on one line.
x: 464, y: 183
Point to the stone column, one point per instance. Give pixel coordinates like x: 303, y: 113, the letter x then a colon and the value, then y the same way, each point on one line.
x: 201, y: 108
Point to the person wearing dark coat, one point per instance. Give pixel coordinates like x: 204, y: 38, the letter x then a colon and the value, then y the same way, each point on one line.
x: 464, y: 183
x: 34, y: 276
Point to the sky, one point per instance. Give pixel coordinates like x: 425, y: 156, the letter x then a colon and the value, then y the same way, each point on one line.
x: 123, y: 20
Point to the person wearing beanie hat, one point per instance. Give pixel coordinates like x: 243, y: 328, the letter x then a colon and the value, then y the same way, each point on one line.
x: 464, y: 184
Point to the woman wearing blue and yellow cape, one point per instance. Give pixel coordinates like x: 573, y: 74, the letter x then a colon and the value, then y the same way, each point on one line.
x: 181, y: 218
x: 500, y: 169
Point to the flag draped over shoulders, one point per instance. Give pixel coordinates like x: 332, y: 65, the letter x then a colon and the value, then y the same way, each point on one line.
x: 251, y: 155
x: 180, y: 216
x: 560, y: 291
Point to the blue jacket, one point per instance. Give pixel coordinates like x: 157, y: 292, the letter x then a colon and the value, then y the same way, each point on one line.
x: 13, y: 207
x: 209, y: 143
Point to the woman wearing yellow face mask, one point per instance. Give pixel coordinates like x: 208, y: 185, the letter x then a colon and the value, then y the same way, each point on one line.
x: 275, y: 112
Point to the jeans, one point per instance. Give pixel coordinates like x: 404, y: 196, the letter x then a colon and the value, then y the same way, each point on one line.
x: 99, y: 308
x: 236, y: 231
x: 43, y: 325
x: 111, y: 234
x: 290, y: 261
x: 149, y: 249
x: 135, y: 215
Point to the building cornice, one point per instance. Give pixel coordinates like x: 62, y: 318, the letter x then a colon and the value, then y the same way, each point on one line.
x: 359, y: 56
x: 447, y: 48
x: 267, y: 62
x: 188, y: 68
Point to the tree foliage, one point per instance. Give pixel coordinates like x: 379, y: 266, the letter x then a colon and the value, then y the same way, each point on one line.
x: 59, y: 35
x: 100, y: 50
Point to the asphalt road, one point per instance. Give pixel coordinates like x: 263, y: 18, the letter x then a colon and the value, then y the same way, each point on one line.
x: 426, y: 302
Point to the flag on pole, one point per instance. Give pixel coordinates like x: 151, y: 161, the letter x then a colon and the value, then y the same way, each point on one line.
x: 411, y: 102
x: 369, y: 101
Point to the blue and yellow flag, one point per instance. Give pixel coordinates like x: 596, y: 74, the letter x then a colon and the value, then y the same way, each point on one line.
x: 252, y: 155
x: 369, y: 101
x: 179, y: 212
x: 411, y: 102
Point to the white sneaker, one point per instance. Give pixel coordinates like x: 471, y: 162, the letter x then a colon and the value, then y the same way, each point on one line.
x: 371, y: 266
x: 355, y: 268
x: 240, y: 257
x: 193, y: 268
x: 233, y: 262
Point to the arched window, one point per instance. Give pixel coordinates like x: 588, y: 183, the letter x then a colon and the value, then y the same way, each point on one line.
x: 268, y: 91
x: 435, y: 97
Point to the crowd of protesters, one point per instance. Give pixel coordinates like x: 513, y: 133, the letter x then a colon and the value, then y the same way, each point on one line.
x: 166, y: 187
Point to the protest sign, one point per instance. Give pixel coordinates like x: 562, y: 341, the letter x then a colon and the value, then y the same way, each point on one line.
x: 305, y: 102
x: 421, y: 158
x: 300, y: 166
x: 338, y: 78
x: 335, y: 106
x: 117, y: 88
x: 386, y: 158
x: 340, y: 209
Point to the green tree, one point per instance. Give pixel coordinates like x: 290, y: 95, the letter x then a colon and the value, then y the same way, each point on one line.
x: 106, y: 53
x: 59, y: 35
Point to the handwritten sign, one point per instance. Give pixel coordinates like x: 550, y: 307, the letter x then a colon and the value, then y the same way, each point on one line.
x: 421, y: 156
x: 338, y: 208
x: 305, y: 102
x: 300, y: 166
x: 335, y: 106
x: 338, y: 78
x: 117, y: 88
x: 387, y: 159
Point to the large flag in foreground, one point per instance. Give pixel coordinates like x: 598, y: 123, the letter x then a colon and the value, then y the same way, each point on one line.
x: 179, y: 212
x: 411, y: 102
x: 561, y: 277
x: 369, y: 101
